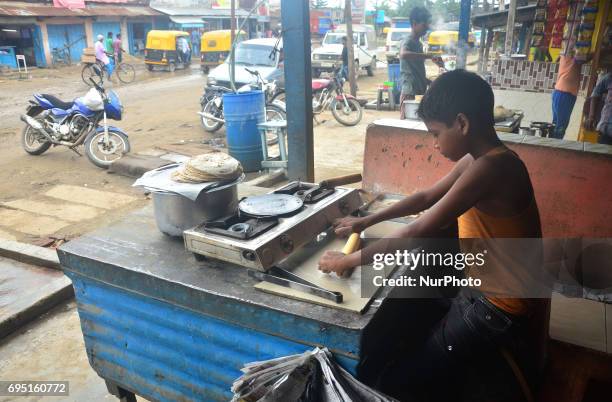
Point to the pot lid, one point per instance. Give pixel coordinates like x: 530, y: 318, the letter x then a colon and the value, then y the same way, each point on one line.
x: 160, y: 180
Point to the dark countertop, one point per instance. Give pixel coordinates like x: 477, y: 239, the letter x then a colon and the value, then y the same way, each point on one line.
x: 133, y: 255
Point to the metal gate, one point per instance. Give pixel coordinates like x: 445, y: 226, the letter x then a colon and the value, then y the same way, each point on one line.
x: 69, y: 36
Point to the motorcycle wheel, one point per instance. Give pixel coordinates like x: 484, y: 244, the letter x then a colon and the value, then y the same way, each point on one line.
x: 279, y: 96
x: 210, y: 125
x: 103, y: 155
x: 274, y: 113
x: 348, y: 116
x: 32, y: 142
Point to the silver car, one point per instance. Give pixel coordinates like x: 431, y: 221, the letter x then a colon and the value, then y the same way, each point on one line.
x: 264, y: 55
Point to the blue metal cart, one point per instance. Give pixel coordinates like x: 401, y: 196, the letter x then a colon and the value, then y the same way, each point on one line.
x: 159, y: 324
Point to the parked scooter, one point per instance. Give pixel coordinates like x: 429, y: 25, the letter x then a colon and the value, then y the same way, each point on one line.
x: 51, y: 121
x: 211, y: 115
x: 329, y: 94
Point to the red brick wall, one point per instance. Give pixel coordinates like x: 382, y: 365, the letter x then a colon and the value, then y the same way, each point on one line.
x: 572, y: 186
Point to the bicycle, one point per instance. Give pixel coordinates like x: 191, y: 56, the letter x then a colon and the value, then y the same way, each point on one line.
x: 60, y: 56
x: 125, y: 72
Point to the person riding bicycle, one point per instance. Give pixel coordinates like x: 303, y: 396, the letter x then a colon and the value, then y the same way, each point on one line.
x: 102, y: 55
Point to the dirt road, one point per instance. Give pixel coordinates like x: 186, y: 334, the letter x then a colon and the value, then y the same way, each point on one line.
x: 61, y: 194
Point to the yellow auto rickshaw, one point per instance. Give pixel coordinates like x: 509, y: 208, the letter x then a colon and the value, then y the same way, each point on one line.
x: 445, y: 42
x: 215, y: 47
x: 168, y: 49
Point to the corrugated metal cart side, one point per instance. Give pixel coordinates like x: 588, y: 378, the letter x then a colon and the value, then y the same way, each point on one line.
x: 166, y: 352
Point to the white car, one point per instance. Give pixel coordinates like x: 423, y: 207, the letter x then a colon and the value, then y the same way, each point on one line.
x: 263, y: 55
x: 395, y: 36
x: 328, y: 57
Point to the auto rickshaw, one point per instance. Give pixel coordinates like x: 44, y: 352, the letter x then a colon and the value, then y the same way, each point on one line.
x: 445, y: 41
x: 215, y: 47
x: 168, y: 49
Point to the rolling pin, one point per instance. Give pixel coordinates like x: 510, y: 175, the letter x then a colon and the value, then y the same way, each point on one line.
x: 340, y: 181
x: 352, y: 245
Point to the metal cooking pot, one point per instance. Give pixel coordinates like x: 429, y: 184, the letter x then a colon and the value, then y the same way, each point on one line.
x: 175, y: 213
x: 526, y: 131
x: 542, y: 128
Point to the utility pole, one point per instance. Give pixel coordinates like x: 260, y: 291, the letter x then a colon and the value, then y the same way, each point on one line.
x: 298, y: 86
x: 348, y: 19
x: 232, y: 35
x: 510, y: 29
x: 233, y: 19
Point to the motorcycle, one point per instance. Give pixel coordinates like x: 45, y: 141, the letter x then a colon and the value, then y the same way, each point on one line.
x: 329, y: 94
x: 211, y: 115
x: 51, y: 121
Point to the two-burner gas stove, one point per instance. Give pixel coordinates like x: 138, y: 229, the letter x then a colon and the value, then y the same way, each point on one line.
x: 261, y: 242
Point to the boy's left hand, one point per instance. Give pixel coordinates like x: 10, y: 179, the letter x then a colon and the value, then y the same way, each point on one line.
x: 333, y: 261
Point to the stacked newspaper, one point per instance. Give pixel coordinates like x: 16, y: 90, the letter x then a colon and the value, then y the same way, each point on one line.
x: 310, y: 376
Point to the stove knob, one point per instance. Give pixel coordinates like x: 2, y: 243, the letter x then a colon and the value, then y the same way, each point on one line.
x: 267, y: 256
x: 344, y: 207
x: 286, y: 244
x: 248, y: 255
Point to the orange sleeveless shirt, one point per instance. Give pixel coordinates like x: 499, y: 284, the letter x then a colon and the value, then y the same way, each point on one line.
x: 475, y: 224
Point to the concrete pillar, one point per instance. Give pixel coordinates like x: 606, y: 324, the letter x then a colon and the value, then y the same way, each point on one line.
x: 481, y: 50
x: 125, y: 39
x: 89, y: 35
x: 510, y: 29
x: 45, y: 42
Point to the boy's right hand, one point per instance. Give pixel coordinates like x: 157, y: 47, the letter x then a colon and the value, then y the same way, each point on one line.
x: 350, y: 224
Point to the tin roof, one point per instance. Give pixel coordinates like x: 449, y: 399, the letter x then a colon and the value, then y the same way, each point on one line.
x: 19, y: 9
x: 201, y: 12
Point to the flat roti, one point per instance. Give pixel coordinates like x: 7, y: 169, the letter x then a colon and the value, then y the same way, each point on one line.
x: 214, y: 166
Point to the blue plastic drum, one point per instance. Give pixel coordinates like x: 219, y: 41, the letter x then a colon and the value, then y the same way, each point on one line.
x: 242, y: 112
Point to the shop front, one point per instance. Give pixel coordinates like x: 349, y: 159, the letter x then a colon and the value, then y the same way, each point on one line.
x: 21, y: 38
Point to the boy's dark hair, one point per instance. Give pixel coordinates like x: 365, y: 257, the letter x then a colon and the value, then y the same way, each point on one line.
x: 419, y: 15
x: 455, y: 92
x: 109, y: 34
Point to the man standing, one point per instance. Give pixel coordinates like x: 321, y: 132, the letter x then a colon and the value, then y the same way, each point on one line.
x: 109, y: 43
x: 345, y: 64
x: 117, y: 50
x: 412, y: 59
x: 195, y: 41
x: 603, y: 124
x: 565, y: 93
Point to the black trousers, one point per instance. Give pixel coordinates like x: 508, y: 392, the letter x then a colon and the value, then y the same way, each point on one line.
x: 470, y: 333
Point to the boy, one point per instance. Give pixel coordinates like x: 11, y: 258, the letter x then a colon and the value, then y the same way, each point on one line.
x: 489, y: 194
x: 412, y: 59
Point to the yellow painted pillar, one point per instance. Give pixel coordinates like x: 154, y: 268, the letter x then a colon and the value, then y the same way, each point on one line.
x: 45, y: 42
x: 89, y: 35
x: 125, y: 45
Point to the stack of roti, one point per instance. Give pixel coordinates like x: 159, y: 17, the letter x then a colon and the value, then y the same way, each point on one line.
x: 213, y: 166
x: 500, y: 113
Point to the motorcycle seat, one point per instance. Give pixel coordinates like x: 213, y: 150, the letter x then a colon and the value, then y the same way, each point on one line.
x: 58, y: 103
x: 320, y: 84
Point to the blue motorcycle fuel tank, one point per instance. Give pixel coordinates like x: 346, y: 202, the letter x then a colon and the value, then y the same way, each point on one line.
x: 113, y: 107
